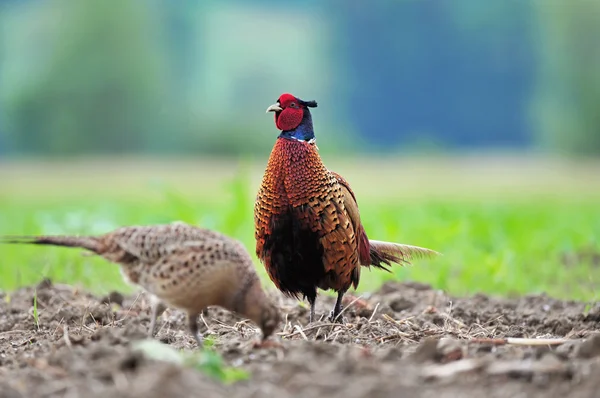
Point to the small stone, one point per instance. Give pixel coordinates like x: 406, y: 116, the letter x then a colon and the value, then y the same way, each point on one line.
x: 46, y: 283
x: 399, y: 304
x: 450, y: 350
x: 113, y: 298
x: 590, y: 348
x: 427, y: 351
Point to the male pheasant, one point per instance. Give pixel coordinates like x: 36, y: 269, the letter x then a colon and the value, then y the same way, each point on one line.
x: 307, y: 224
x: 181, y: 265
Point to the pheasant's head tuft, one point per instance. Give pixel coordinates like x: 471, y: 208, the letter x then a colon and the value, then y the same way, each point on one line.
x: 293, y: 118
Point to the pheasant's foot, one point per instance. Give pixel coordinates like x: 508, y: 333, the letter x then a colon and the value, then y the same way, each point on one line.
x: 336, y: 318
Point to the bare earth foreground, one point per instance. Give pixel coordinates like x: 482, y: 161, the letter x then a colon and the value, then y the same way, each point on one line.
x: 405, y: 340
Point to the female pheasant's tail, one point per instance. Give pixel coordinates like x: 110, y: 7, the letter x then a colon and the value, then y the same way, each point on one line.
x: 90, y: 243
x: 386, y: 253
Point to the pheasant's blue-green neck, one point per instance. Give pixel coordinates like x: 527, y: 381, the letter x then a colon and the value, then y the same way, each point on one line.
x: 304, y: 131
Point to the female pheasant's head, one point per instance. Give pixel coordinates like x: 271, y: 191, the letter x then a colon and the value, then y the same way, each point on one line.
x: 292, y: 117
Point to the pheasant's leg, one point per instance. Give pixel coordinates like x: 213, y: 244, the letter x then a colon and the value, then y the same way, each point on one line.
x: 156, y: 310
x: 337, y: 309
x: 193, y: 324
x: 311, y: 301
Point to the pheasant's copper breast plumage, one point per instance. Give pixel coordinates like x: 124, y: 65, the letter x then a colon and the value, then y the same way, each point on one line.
x: 298, y: 188
x: 307, y: 224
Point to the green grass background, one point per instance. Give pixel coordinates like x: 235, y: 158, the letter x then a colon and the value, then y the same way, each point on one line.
x: 504, y: 225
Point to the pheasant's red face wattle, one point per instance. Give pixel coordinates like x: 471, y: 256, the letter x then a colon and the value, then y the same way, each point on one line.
x: 291, y: 113
x: 293, y: 118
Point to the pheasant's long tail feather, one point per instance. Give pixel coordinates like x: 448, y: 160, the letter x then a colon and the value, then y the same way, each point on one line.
x: 386, y: 253
x: 85, y: 242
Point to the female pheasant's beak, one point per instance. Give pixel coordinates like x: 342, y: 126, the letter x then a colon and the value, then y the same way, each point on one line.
x: 274, y: 108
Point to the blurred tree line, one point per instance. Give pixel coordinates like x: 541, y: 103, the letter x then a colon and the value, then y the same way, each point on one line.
x: 100, y: 90
x: 100, y: 76
x: 567, y: 94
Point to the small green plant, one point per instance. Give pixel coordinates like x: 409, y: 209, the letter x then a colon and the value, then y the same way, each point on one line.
x: 206, y: 360
x: 211, y: 363
x: 36, y: 318
x: 209, y: 342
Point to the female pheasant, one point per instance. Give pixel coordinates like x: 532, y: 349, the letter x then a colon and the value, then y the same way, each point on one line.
x: 180, y: 265
x: 307, y: 224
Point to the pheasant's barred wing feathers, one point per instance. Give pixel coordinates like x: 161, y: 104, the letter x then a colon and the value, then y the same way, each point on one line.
x: 351, y: 206
x: 150, y: 243
x: 343, y: 182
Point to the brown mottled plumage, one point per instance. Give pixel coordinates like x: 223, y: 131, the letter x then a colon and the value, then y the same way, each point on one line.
x: 182, y: 266
x: 307, y: 224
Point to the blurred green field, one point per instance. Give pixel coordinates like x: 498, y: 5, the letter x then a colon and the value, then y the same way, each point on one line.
x: 506, y: 225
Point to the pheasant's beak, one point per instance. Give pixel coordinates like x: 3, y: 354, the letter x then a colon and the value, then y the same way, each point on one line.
x: 274, y: 108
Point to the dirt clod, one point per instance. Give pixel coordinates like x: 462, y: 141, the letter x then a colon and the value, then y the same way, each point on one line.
x: 590, y: 347
x: 399, y: 303
x: 405, y: 340
x: 114, y: 298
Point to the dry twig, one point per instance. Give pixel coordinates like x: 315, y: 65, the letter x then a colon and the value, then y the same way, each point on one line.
x: 66, y: 336
x: 519, y: 341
